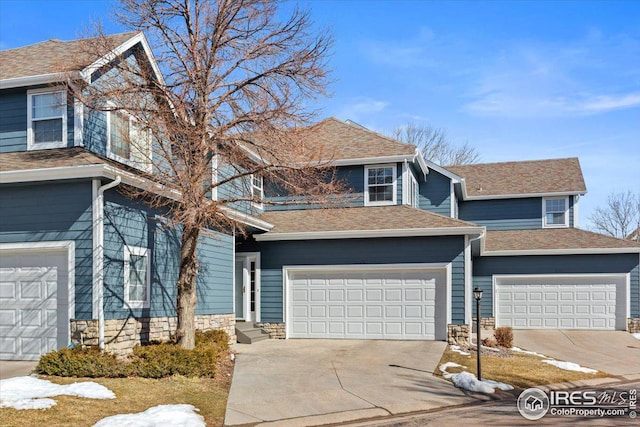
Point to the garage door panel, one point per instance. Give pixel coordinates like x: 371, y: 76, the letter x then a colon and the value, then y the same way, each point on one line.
x: 373, y: 304
x: 561, y: 302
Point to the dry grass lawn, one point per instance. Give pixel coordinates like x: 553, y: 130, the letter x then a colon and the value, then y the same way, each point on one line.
x: 132, y: 395
x: 520, y: 370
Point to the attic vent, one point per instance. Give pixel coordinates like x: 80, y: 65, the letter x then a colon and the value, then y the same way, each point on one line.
x: 351, y: 122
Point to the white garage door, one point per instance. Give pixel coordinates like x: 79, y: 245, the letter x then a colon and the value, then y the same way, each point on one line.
x: 556, y: 302
x: 381, y: 304
x: 33, y: 320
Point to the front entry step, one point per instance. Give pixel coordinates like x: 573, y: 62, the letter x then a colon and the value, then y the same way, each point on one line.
x: 249, y: 333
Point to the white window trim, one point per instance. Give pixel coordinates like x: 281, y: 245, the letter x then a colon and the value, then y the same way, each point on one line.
x: 129, y: 162
x: 137, y: 251
x: 394, y: 184
x: 566, y: 212
x: 31, y: 145
x: 253, y: 189
x: 214, y: 178
x: 407, y: 179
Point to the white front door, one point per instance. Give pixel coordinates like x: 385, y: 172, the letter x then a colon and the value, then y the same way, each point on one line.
x: 561, y: 302
x: 363, y: 303
x: 247, y: 273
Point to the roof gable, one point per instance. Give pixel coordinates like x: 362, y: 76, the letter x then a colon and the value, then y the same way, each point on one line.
x: 485, y: 180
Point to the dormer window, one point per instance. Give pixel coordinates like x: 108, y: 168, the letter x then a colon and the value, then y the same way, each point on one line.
x: 380, y: 185
x: 257, y: 190
x: 555, y: 212
x: 46, y: 119
x: 128, y: 141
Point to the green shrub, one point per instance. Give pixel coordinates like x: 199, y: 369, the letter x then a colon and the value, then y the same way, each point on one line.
x: 216, y: 337
x: 504, y: 336
x: 82, y: 362
x: 164, y: 360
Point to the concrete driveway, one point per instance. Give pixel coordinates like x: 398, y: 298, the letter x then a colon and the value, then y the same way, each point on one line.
x: 15, y: 368
x: 312, y: 382
x: 615, y: 352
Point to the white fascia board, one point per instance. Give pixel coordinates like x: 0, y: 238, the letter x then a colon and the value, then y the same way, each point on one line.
x: 372, y: 160
x: 452, y: 176
x: 364, y: 234
x: 422, y: 163
x: 577, y: 251
x: 246, y: 219
x: 31, y: 80
x: 119, y: 50
x: 51, y: 174
x: 522, y: 196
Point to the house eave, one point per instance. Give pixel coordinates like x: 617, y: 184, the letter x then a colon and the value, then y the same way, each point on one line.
x: 522, y: 196
x: 367, y: 234
x: 576, y: 251
x: 41, y: 79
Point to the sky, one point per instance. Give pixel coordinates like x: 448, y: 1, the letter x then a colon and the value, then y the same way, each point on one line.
x: 517, y: 80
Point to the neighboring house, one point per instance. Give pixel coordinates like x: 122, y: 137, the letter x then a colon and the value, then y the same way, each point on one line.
x: 395, y: 257
x: 634, y: 235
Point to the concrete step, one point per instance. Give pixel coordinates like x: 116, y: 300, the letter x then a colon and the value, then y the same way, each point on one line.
x: 248, y: 333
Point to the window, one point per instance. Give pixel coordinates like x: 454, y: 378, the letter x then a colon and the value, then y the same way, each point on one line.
x: 47, y: 119
x: 136, y: 277
x: 128, y: 141
x: 380, y: 185
x: 257, y: 190
x: 555, y: 212
x: 411, y: 191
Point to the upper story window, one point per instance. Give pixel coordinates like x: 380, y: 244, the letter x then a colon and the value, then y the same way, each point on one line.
x: 137, y: 269
x: 380, y: 185
x: 411, y: 195
x: 128, y: 141
x: 46, y: 119
x: 257, y: 190
x: 555, y: 212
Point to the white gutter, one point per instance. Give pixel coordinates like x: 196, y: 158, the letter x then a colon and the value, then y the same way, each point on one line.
x: 41, y: 79
x: 576, y: 251
x: 356, y: 234
x: 98, y: 251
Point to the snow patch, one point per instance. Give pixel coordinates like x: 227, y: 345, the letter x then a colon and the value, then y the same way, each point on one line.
x: 443, y: 368
x: 32, y: 392
x: 569, y: 366
x: 457, y: 349
x: 636, y: 336
x: 157, y: 416
x: 533, y: 353
x: 468, y: 381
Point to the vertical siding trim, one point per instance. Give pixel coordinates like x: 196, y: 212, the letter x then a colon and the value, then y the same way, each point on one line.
x: 97, y: 217
x: 78, y: 123
x: 233, y: 276
x: 468, y: 282
x: 452, y: 199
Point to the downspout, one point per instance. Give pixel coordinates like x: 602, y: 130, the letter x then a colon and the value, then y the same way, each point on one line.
x: 98, y: 252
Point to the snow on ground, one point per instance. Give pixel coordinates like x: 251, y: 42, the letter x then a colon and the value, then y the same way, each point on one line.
x: 445, y: 366
x: 32, y: 392
x: 569, y: 366
x: 457, y: 349
x: 157, y: 416
x: 533, y: 353
x: 468, y: 381
x: 636, y: 336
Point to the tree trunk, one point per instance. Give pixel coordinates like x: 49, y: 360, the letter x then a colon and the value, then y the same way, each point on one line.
x: 187, y: 299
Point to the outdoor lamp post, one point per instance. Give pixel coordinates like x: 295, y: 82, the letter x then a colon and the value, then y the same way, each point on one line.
x: 477, y: 293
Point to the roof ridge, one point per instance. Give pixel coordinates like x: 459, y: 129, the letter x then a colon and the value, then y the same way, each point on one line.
x: 55, y: 40
x: 365, y: 129
x: 512, y: 161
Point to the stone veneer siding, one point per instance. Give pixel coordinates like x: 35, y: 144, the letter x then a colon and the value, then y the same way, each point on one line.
x: 121, y: 335
x: 633, y: 325
x: 458, y: 334
x: 275, y: 330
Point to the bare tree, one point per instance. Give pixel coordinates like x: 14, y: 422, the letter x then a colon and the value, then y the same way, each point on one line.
x: 619, y: 217
x: 229, y: 107
x: 435, y: 145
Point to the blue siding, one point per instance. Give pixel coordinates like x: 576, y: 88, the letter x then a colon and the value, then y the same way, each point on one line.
x: 435, y: 194
x: 132, y: 223
x: 571, y: 212
x: 13, y: 120
x: 275, y: 255
x: 484, y: 268
x: 240, y: 187
x: 95, y: 131
x: 49, y: 212
x: 503, y: 214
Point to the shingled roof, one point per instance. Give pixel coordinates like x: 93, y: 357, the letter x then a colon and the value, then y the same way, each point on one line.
x: 359, y: 219
x: 522, y: 178
x: 51, y: 56
x: 339, y: 140
x: 549, y: 239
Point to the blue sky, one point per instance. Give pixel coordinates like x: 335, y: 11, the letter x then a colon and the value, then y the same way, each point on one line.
x: 517, y: 80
